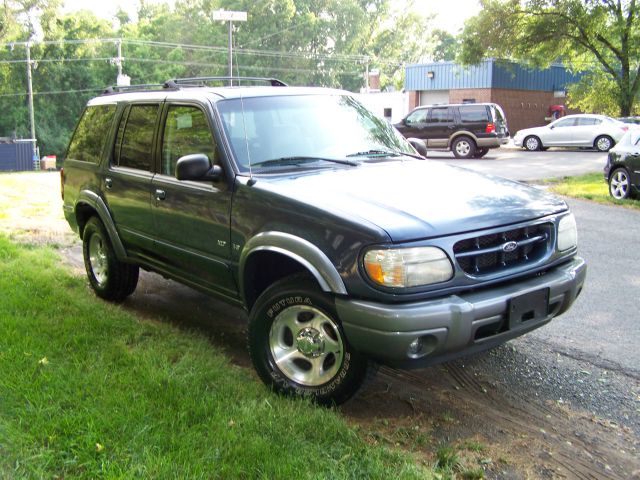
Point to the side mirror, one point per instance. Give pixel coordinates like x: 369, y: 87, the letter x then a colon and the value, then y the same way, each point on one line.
x: 419, y: 145
x: 551, y: 127
x: 197, y: 167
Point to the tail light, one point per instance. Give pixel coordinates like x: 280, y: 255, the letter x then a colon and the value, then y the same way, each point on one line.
x: 624, y: 128
x: 62, y: 183
x: 491, y: 128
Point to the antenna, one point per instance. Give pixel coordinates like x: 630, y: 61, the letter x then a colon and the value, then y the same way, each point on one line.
x: 251, y: 181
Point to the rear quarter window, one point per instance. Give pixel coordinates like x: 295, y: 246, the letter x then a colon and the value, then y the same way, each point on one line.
x: 474, y: 114
x: 90, y: 136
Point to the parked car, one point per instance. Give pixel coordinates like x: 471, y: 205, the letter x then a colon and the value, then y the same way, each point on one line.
x: 469, y: 130
x: 319, y: 219
x: 582, y: 130
x: 631, y: 120
x: 622, y: 171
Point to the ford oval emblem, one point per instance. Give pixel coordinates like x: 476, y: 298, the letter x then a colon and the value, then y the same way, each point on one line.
x: 509, y: 247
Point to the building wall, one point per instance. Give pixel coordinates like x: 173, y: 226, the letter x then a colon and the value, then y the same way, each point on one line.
x: 523, y: 108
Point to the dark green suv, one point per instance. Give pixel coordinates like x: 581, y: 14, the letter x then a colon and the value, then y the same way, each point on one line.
x: 469, y: 130
x: 319, y: 219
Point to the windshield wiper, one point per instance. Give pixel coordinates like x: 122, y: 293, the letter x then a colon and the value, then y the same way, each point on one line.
x: 300, y: 159
x: 384, y: 153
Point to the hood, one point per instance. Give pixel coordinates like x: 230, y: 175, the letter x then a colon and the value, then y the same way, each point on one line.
x: 417, y: 199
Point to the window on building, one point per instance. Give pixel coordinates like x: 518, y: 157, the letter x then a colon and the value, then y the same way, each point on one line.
x: 90, y: 135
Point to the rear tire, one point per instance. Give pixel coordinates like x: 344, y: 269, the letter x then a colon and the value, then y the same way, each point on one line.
x: 463, y: 147
x: 110, y: 278
x: 297, y: 344
x: 603, y: 143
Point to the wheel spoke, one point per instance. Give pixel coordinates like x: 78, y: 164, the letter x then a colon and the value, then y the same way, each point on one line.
x: 309, y: 352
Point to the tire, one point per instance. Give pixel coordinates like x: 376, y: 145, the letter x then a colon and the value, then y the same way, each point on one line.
x: 110, y: 278
x: 619, y: 184
x: 463, y: 147
x: 480, y: 152
x: 603, y: 143
x: 297, y: 344
x: 532, y: 143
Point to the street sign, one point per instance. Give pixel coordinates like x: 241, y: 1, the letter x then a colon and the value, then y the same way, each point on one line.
x: 229, y: 15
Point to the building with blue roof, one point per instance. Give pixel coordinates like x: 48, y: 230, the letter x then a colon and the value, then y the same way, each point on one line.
x: 528, y: 96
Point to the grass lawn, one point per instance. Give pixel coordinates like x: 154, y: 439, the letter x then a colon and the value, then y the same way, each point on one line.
x: 590, y: 187
x: 87, y: 390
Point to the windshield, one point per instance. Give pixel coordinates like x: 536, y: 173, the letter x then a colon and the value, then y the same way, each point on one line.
x: 278, y: 131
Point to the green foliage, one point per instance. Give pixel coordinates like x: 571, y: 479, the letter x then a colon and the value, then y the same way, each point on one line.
x: 90, y: 391
x: 602, y: 37
x: 303, y: 42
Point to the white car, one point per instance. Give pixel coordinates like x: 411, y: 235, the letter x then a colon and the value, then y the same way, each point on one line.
x: 583, y: 130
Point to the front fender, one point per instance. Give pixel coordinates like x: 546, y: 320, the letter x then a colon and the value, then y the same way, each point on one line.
x: 300, y: 250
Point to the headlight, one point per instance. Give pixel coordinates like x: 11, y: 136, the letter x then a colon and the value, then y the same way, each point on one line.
x: 567, y: 233
x: 408, y: 267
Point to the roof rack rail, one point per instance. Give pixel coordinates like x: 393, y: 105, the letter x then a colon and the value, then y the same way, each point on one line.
x: 201, y: 81
x: 126, y: 88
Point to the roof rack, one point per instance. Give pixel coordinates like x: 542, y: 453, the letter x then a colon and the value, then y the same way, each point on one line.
x: 126, y: 88
x: 202, y: 81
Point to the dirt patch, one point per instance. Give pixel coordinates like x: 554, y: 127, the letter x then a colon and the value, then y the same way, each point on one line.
x: 461, y: 411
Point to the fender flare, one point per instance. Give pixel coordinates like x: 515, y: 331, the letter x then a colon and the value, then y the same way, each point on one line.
x: 461, y: 133
x: 97, y: 203
x: 298, y: 249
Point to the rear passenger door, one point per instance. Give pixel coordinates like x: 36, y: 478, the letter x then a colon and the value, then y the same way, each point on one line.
x: 191, y: 217
x: 440, y: 126
x: 127, y: 183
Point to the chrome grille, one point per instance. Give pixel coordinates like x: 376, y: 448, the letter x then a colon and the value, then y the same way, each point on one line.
x: 492, y: 253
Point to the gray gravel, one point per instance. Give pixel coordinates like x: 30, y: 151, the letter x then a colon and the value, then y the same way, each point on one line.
x: 532, y: 369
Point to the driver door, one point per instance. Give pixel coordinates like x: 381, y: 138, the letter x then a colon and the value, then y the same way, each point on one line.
x: 192, y: 217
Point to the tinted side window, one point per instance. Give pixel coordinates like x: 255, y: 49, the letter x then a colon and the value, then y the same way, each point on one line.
x: 585, y: 121
x: 186, y: 132
x: 441, y: 115
x: 88, y: 140
x: 474, y: 114
x: 565, y: 122
x: 136, y: 136
x: 418, y: 116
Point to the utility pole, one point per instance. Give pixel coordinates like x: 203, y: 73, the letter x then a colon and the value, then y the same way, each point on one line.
x: 30, y: 94
x: 122, y: 80
x: 230, y: 16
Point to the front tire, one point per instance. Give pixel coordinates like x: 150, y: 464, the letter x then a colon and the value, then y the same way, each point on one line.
x: 463, y: 147
x: 297, y: 344
x: 619, y: 184
x: 110, y: 278
x: 532, y: 143
x: 603, y: 143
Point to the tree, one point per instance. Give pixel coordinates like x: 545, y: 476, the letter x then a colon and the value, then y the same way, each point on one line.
x: 597, y: 36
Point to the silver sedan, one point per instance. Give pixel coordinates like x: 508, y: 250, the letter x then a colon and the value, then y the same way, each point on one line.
x: 583, y: 130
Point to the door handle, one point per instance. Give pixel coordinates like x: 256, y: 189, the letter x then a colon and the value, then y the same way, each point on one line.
x: 108, y: 183
x: 160, y: 194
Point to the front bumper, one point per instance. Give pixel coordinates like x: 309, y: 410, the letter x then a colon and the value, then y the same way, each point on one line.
x: 458, y: 325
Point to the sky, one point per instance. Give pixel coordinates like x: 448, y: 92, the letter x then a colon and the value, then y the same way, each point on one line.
x: 450, y: 14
